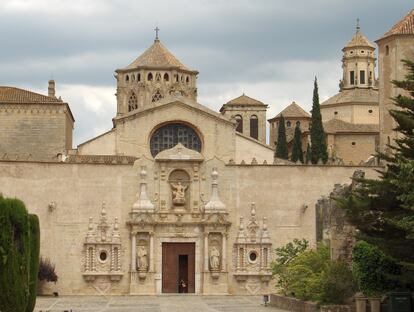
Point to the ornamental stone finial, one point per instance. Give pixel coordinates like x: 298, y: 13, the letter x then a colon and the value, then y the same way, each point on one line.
x: 143, y: 202
x: 215, y: 204
x: 253, y: 210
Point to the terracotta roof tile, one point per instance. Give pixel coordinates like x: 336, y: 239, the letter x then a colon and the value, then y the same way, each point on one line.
x: 359, y: 40
x: 245, y: 100
x: 15, y: 95
x: 353, y: 96
x: 157, y: 55
x: 337, y: 125
x: 404, y: 27
x: 293, y: 111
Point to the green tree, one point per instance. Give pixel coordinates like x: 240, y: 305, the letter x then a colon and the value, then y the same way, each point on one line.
x: 297, y: 153
x: 281, y: 145
x: 372, y: 269
x: 34, y: 260
x: 311, y: 275
x: 16, y: 264
x: 317, y: 134
x: 308, y: 154
x: 382, y: 210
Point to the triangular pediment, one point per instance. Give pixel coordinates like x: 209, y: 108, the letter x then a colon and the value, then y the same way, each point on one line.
x: 179, y: 153
x: 169, y: 102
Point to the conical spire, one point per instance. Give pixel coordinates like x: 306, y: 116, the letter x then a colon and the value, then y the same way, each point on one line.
x: 157, y: 56
x: 359, y: 40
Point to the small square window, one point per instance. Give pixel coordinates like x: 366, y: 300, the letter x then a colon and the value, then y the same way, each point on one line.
x: 353, y: 143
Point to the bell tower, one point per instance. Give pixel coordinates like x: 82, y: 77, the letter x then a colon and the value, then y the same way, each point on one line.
x: 358, y: 63
x: 154, y: 75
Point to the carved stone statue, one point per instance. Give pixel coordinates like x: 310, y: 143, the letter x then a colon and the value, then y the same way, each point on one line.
x: 178, y: 193
x: 214, y: 259
x: 142, y: 258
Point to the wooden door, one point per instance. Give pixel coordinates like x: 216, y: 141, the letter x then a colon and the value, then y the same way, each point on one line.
x: 178, y: 267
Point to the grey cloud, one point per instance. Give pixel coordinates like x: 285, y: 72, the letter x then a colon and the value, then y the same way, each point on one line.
x: 233, y: 43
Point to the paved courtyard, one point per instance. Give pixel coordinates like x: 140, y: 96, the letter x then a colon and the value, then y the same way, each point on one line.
x: 164, y: 303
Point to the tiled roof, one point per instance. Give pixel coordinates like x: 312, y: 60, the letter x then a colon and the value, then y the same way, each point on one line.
x: 293, y: 111
x: 359, y: 40
x: 354, y: 96
x: 337, y: 125
x: 157, y: 55
x: 16, y: 95
x: 245, y: 100
x: 404, y: 27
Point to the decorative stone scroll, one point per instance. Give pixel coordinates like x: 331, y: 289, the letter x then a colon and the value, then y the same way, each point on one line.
x: 252, y: 250
x: 102, y: 250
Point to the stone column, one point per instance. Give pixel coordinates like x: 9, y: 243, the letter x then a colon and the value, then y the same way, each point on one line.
x: 206, y: 252
x: 151, y: 262
x: 223, y: 253
x: 133, y: 252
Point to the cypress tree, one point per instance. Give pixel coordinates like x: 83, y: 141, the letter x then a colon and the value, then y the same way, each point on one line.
x: 19, y: 256
x: 34, y: 260
x: 317, y: 134
x: 297, y: 153
x: 281, y: 146
x: 308, y: 154
x: 383, y: 210
x: 14, y: 255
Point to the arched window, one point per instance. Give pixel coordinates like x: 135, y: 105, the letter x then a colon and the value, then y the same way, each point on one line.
x: 254, y: 127
x: 239, y: 120
x: 127, y: 78
x: 139, y: 77
x: 157, y: 96
x: 288, y: 124
x: 132, y: 102
x: 298, y: 123
x: 158, y: 77
x: 149, y: 78
x: 187, y: 80
x: 166, y: 77
x: 170, y: 135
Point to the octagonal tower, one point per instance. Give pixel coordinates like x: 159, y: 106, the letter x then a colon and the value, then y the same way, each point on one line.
x: 154, y: 75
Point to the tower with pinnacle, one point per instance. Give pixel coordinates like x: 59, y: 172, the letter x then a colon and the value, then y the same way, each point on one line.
x: 154, y: 75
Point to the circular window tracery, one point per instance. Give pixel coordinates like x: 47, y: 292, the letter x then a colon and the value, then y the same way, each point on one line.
x: 170, y: 135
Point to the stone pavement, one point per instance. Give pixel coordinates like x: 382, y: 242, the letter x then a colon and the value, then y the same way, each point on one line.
x: 164, y: 303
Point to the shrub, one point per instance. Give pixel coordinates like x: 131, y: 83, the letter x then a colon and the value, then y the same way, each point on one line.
x: 372, y: 269
x: 34, y: 260
x: 337, y: 283
x: 284, y: 255
x: 311, y: 275
x: 47, y: 271
x: 14, y: 255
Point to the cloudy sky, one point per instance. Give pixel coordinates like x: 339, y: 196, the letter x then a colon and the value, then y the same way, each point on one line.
x: 269, y: 49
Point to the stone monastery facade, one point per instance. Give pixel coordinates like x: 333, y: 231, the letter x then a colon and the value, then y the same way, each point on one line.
x: 177, y: 197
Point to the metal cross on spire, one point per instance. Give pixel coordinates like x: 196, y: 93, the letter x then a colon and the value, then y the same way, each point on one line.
x: 156, y: 33
x: 357, y: 25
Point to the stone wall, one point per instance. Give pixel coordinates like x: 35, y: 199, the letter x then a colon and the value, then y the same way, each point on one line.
x: 35, y: 131
x: 66, y: 195
x: 354, y: 147
x: 292, y: 304
x: 391, y: 51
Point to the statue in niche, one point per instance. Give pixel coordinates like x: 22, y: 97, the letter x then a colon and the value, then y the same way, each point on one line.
x: 142, y: 258
x: 178, y: 193
x: 214, y: 259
